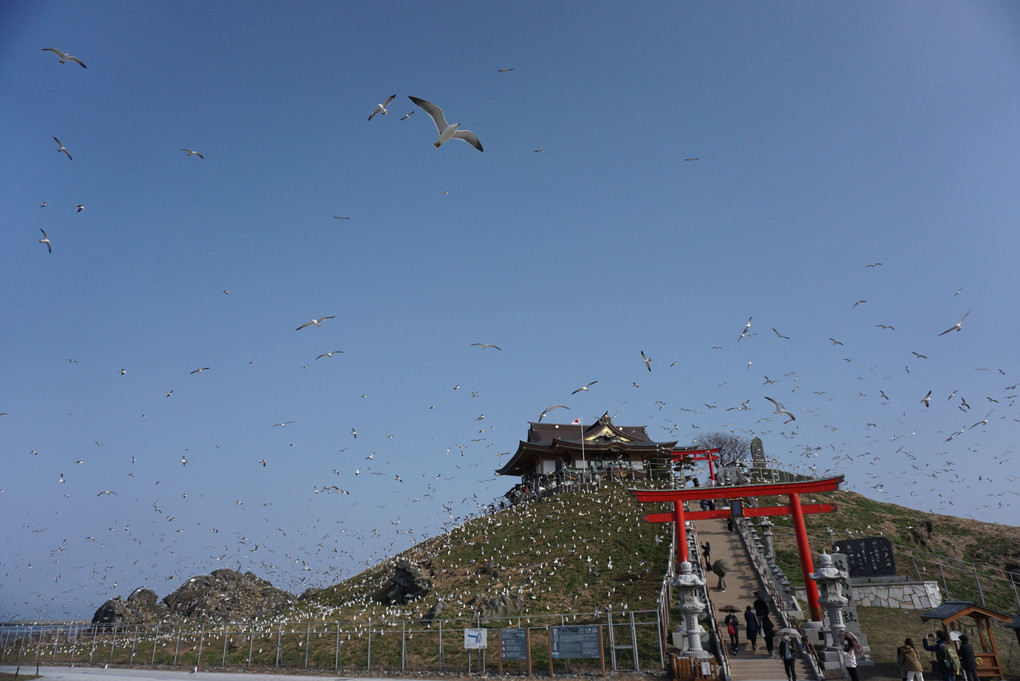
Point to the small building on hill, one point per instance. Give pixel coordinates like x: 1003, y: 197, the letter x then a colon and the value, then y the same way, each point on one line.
x: 555, y: 451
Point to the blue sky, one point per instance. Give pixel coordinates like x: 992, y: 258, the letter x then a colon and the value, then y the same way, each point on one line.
x: 829, y: 137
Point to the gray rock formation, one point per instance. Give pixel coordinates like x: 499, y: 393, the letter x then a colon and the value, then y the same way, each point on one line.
x: 141, y: 607
x: 408, y: 583
x: 227, y: 594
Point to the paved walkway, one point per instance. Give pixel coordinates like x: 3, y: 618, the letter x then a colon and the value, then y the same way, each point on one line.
x: 741, y: 584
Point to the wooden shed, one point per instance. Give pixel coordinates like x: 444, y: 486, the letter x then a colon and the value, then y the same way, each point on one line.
x: 952, y: 615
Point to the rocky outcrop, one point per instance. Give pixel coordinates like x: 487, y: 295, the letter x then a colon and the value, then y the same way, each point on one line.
x: 222, y: 595
x: 409, y: 582
x: 497, y: 606
x: 141, y: 607
x: 227, y: 594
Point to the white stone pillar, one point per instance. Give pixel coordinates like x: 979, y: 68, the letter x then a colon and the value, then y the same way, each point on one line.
x: 830, y: 597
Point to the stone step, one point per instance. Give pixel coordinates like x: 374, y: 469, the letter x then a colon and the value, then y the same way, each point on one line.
x: 765, y: 669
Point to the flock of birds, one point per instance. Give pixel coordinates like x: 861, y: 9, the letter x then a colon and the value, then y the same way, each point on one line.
x: 327, y: 541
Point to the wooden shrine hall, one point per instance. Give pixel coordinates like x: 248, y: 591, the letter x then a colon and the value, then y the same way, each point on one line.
x: 622, y: 452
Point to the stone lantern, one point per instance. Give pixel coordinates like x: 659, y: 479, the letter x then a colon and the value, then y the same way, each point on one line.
x: 688, y: 587
x: 830, y: 597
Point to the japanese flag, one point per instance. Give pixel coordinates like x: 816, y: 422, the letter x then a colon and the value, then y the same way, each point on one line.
x: 576, y: 422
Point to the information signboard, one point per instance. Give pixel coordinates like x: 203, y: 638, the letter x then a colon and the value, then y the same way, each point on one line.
x: 575, y: 643
x: 475, y: 639
x: 868, y: 557
x: 513, y: 644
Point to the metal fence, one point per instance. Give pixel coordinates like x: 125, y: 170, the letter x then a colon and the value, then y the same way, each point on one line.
x: 633, y: 641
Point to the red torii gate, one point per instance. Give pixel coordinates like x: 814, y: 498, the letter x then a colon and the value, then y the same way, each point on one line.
x: 708, y: 455
x: 679, y: 517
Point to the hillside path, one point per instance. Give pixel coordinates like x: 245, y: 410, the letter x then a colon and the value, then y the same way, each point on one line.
x: 741, y: 584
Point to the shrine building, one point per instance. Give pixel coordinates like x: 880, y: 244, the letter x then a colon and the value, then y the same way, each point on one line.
x: 604, y: 448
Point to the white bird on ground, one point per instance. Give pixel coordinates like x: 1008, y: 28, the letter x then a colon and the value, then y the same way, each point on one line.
x: 60, y: 148
x: 316, y: 322
x: 447, y: 131
x: 64, y: 57
x: 381, y: 108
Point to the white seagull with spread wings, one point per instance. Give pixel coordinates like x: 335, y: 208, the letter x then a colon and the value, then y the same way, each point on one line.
x: 447, y: 131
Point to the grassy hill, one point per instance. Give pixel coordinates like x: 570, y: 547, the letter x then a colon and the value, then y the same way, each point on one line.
x: 581, y: 552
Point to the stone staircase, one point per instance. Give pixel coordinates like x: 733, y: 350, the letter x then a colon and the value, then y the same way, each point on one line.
x: 741, y: 584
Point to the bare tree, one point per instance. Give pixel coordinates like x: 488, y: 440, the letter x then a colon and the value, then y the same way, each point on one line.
x: 732, y: 448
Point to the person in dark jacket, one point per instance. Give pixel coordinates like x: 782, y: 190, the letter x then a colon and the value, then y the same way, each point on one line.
x: 761, y: 607
x: 751, y: 627
x: 967, y: 660
x: 789, y: 650
x: 733, y: 629
x: 768, y: 632
x: 938, y: 646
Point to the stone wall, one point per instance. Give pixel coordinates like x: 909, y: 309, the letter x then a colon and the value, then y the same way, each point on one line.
x: 906, y: 595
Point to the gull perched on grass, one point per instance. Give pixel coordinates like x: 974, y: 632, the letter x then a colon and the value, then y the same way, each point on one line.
x: 60, y: 148
x: 381, y: 108
x: 64, y: 57
x: 447, y: 131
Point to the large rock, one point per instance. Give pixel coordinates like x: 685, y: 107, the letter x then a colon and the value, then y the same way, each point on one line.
x: 497, y: 606
x: 141, y: 607
x: 227, y: 594
x: 408, y: 583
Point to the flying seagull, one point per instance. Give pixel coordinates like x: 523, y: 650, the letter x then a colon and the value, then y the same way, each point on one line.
x: 80, y: 206
x: 746, y: 327
x: 446, y: 130
x: 647, y: 360
x: 506, y: 69
x: 549, y: 409
x: 192, y: 152
x: 780, y: 409
x: 381, y: 108
x: 407, y: 115
x: 957, y: 326
x: 483, y: 346
x: 45, y: 240
x: 340, y: 217
x: 200, y: 370
x: 60, y: 148
x: 329, y: 354
x: 584, y: 388
x: 64, y: 56
x: 316, y: 322
x: 927, y: 399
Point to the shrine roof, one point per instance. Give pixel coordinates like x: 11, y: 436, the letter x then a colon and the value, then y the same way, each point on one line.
x: 950, y: 611
x: 601, y: 436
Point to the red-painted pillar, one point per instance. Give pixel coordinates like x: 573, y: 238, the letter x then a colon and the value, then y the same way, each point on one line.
x: 680, y: 528
x: 711, y: 468
x: 804, y: 550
